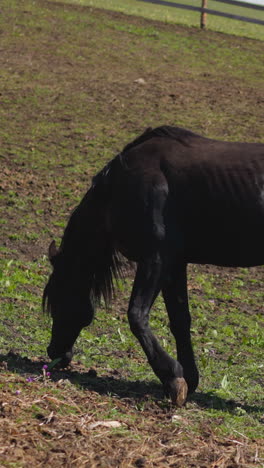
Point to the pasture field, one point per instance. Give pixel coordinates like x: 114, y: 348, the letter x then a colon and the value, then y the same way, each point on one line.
x: 76, y: 84
x: 188, y: 18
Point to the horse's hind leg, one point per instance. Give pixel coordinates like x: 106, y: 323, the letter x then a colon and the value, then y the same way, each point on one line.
x: 146, y: 287
x: 175, y: 295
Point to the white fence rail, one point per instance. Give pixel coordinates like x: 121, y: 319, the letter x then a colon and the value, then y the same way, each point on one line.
x: 204, y: 10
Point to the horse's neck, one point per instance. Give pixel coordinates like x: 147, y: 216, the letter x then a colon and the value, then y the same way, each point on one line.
x: 85, y: 233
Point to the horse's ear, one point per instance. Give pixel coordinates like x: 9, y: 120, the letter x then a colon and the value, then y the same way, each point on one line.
x: 53, y: 252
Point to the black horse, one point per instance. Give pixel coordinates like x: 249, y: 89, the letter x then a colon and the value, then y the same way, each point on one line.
x: 170, y: 198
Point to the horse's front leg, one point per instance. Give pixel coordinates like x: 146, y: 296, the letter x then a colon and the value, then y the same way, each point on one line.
x: 146, y: 287
x: 175, y: 295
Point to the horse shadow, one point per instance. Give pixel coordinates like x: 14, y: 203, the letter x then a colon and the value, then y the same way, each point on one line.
x: 113, y: 385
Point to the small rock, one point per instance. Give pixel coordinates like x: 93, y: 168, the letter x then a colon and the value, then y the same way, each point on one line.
x: 140, y: 81
x: 113, y: 424
x: 140, y: 462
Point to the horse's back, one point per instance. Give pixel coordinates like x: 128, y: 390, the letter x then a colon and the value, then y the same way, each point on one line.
x: 220, y: 190
x: 215, y: 201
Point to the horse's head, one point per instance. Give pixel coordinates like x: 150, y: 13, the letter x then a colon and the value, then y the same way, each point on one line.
x: 67, y: 298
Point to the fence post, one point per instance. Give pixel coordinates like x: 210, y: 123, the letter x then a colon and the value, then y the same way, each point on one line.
x: 203, y: 14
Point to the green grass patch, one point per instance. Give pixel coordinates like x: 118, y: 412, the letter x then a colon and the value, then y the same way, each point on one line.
x: 172, y: 15
x: 70, y: 101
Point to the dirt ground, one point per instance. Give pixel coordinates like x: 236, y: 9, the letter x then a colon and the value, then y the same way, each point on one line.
x: 53, y: 422
x: 171, y: 91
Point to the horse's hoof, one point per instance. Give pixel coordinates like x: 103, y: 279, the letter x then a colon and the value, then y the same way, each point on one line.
x: 178, y: 390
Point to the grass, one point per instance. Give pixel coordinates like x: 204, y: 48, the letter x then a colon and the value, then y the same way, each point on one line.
x: 180, y: 16
x: 70, y: 101
x: 228, y: 352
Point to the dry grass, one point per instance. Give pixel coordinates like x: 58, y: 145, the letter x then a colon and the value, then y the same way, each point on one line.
x: 70, y: 99
x: 53, y: 423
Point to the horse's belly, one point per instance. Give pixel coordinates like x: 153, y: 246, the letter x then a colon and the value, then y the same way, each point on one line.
x: 234, y: 246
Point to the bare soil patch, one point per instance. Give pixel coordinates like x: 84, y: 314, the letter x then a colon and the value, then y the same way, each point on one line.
x: 70, y: 99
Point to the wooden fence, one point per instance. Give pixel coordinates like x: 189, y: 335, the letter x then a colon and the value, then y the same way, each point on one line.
x: 204, y: 10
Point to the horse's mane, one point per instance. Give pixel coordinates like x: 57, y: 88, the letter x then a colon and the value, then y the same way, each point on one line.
x: 165, y: 131
x: 95, y: 274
